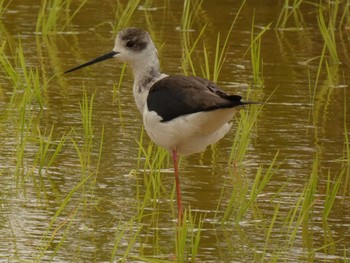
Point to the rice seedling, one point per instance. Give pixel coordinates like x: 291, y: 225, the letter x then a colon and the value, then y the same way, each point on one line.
x: 346, y: 152
x: 188, y: 236
x: 290, y: 9
x: 286, y: 230
x: 322, y: 93
x: 245, y: 125
x: 26, y: 97
x: 248, y: 119
x: 4, y: 4
x: 301, y: 216
x: 332, y: 189
x: 62, y: 222
x: 47, y: 153
x: 189, y: 14
x: 25, y: 81
x: 331, y: 193
x: 155, y: 160
x: 123, y: 15
x: 269, y: 232
x: 85, y: 152
x: 243, y: 197
x: 24, y: 125
x: 116, y: 94
x: 345, y: 18
x: 328, y: 30
x: 220, y: 50
x: 187, y: 63
x: 127, y: 231
x: 220, y: 53
x: 10, y: 70
x: 255, y: 55
x: 48, y: 53
x: 55, y: 16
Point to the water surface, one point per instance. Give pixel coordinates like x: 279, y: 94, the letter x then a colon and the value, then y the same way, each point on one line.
x: 298, y: 122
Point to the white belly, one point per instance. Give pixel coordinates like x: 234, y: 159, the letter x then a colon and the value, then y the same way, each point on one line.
x: 190, y: 133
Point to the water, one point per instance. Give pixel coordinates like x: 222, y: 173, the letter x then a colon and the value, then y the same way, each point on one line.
x: 292, y: 123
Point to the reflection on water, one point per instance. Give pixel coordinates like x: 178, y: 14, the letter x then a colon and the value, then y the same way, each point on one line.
x: 102, y: 194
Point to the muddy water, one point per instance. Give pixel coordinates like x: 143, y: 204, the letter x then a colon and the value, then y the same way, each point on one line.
x: 295, y: 122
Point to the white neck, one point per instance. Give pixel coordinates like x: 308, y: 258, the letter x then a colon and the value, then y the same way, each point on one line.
x: 146, y: 72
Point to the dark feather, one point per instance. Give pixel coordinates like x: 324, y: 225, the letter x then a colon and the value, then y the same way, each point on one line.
x: 174, y: 96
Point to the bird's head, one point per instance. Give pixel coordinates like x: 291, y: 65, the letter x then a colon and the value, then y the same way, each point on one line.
x: 132, y: 45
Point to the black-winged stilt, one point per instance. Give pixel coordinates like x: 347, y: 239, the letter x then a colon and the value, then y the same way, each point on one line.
x: 182, y: 114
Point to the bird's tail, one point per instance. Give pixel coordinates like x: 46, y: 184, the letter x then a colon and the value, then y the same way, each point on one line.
x: 252, y: 103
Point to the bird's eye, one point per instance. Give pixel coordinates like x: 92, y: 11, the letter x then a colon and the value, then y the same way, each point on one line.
x: 130, y: 43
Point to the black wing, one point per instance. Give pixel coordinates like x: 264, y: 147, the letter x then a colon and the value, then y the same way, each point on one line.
x: 174, y: 96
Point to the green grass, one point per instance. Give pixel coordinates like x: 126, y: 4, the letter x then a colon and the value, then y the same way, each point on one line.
x: 48, y: 151
x: 210, y: 69
x: 4, y: 4
x: 26, y: 98
x: 124, y: 13
x: 26, y: 83
x: 155, y: 160
x: 328, y: 29
x: 289, y: 225
x: 56, y: 16
x: 63, y: 220
x: 189, y: 15
x: 290, y: 9
x: 255, y: 55
x: 346, y: 153
x: 188, y: 236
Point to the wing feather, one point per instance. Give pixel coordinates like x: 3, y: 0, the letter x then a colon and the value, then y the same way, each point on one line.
x: 174, y: 96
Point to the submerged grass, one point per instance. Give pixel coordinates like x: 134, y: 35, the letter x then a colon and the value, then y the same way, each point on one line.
x: 56, y: 15
x: 346, y: 153
x: 243, y: 196
x: 290, y: 9
x: 4, y: 4
x: 189, y: 15
x: 24, y: 105
x: 328, y: 30
x: 123, y: 14
x: 244, y: 211
x: 155, y: 159
x: 25, y: 80
x: 210, y: 70
x: 63, y: 221
x: 48, y: 151
x: 188, y: 236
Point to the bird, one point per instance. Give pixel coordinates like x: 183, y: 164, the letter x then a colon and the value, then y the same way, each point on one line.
x: 183, y: 114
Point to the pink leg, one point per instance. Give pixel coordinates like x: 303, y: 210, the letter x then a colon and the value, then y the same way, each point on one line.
x: 178, y: 190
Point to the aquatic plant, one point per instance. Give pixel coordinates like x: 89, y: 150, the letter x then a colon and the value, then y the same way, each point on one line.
x: 4, y: 4
x: 188, y: 236
x: 328, y: 30
x: 55, y: 16
x: 255, y: 55
x: 63, y: 219
x: 244, y: 197
x: 123, y: 15
x: 155, y: 160
x: 292, y: 224
x: 24, y: 80
x: 291, y: 8
x: 211, y: 69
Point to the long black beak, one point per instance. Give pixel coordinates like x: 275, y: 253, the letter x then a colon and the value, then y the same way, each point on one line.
x: 98, y: 59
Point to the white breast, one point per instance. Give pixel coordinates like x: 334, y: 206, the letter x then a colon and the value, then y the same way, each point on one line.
x: 190, y: 133
x: 141, y: 93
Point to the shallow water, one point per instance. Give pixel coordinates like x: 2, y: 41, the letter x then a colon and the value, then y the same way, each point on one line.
x: 292, y: 123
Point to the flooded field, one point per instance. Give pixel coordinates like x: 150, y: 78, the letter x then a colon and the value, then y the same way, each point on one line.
x: 81, y: 181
